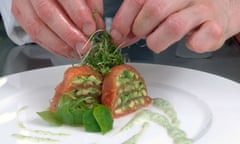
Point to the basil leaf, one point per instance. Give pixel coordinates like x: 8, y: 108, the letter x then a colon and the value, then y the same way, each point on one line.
x: 85, y: 111
x: 50, y: 118
x: 77, y: 116
x: 103, y: 117
x: 64, y: 114
x: 89, y: 122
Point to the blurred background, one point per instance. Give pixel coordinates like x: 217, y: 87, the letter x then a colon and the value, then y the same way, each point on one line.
x: 224, y: 62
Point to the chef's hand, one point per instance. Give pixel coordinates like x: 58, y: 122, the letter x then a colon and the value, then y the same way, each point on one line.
x: 207, y: 23
x: 61, y: 26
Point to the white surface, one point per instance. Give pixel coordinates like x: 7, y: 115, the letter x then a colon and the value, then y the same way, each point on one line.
x: 207, y: 105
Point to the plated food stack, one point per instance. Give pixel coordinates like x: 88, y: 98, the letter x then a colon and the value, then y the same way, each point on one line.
x: 101, y: 88
x: 79, y: 81
x: 124, y: 91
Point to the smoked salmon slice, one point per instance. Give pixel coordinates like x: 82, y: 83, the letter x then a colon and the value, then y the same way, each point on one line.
x: 124, y: 91
x: 81, y: 81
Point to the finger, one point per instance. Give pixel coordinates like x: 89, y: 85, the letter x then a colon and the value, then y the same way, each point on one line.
x: 38, y: 31
x: 153, y: 13
x: 124, y: 19
x: 208, y: 38
x: 99, y: 22
x: 175, y: 27
x: 96, y: 7
x: 129, y: 40
x: 55, y: 18
x: 80, y: 14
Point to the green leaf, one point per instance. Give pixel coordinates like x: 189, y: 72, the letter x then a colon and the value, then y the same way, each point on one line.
x: 103, y: 117
x: 64, y: 114
x: 78, y: 116
x: 85, y: 111
x: 50, y: 117
x: 89, y: 122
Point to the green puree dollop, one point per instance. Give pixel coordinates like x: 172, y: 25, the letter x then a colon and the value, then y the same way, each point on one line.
x: 170, y: 122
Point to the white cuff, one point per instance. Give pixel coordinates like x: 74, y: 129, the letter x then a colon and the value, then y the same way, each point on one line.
x: 14, y: 31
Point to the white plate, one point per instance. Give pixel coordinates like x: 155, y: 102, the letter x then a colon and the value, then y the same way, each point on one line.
x: 208, y: 106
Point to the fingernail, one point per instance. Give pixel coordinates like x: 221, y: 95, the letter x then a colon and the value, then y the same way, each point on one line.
x: 116, y: 35
x: 88, y: 29
x: 74, y: 54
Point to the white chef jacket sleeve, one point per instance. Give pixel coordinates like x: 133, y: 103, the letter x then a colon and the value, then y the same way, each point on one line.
x: 13, y: 30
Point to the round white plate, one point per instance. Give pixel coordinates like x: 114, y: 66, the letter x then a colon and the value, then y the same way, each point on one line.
x: 208, y: 106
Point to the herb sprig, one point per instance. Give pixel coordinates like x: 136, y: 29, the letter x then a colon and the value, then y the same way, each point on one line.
x: 103, y: 54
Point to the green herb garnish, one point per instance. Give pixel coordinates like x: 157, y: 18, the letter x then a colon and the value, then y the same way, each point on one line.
x: 103, y: 55
x: 90, y: 122
x: 50, y: 117
x: 84, y: 111
x: 103, y: 122
x: 87, y: 111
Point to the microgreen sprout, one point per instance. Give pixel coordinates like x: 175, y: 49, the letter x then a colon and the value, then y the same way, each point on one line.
x: 103, y: 54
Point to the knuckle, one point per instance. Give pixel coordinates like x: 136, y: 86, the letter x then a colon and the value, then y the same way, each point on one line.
x: 44, y: 10
x: 215, y: 41
x: 216, y: 31
x: 154, y: 10
x: 176, y: 25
